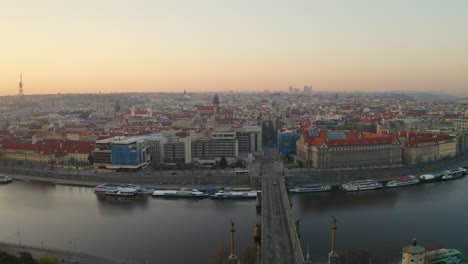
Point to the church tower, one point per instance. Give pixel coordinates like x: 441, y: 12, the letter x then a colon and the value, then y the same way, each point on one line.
x: 216, y: 104
x: 414, y: 254
x: 20, y: 85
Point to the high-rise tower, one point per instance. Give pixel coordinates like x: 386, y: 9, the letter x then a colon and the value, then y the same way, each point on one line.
x: 21, y: 85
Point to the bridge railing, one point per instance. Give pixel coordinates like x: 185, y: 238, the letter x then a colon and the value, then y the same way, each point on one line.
x: 291, y: 223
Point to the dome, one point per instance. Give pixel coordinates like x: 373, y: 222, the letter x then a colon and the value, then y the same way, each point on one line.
x: 414, y: 249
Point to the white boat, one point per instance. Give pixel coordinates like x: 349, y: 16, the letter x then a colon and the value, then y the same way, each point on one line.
x: 105, y: 188
x: 311, y: 188
x: 235, y: 195
x: 361, y: 185
x: 454, y: 174
x: 5, y: 179
x: 402, y: 181
x: 122, y: 191
x: 183, y: 193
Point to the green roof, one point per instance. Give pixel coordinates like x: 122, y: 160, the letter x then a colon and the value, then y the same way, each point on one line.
x: 414, y: 249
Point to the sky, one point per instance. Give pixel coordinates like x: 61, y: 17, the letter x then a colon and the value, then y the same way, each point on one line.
x: 91, y: 46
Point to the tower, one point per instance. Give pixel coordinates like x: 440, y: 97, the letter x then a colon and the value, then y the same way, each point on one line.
x: 332, y: 256
x: 232, y: 258
x: 216, y: 104
x: 413, y: 254
x: 20, y: 85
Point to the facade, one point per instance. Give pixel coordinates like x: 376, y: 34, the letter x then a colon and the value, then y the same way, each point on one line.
x: 121, y: 153
x: 48, y: 150
x: 249, y: 139
x: 155, y: 145
x: 27, y: 152
x: 209, y: 151
x: 427, y: 148
x: 347, y: 149
x: 287, y: 142
x: 174, y: 152
x: 394, y: 126
x: 461, y: 124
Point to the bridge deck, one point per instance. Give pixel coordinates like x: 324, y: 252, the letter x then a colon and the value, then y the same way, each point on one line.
x: 280, y: 243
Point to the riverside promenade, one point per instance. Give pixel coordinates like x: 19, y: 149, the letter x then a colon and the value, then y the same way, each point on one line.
x: 204, y: 178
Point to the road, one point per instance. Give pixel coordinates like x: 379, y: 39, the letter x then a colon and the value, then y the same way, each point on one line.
x: 280, y: 243
x: 64, y: 256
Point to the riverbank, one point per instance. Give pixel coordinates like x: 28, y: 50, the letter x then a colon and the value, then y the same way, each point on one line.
x: 203, y: 179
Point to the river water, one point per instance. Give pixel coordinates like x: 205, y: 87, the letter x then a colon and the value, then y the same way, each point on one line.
x: 176, y: 231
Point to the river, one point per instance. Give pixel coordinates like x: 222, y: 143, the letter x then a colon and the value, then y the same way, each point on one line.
x: 177, y: 230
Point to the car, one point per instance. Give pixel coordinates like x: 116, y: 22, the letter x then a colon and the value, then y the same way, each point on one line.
x: 173, y: 173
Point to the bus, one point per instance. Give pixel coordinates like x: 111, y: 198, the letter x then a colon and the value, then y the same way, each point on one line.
x: 241, y: 171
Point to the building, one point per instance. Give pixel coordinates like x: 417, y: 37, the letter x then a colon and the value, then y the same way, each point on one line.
x: 49, y: 150
x: 287, y: 140
x: 174, y: 152
x: 427, y: 147
x: 155, y: 146
x: 307, y: 89
x: 121, y: 153
x: 249, y: 138
x: 461, y: 124
x: 205, y: 110
x: 393, y: 126
x: 414, y: 254
x: 211, y: 150
x: 347, y: 149
x: 27, y: 152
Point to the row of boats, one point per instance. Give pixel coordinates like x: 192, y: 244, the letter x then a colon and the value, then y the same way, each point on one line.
x: 134, y: 190
x: 247, y: 193
x: 363, y: 185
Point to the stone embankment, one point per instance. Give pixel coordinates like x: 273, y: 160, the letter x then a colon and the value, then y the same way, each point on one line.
x: 203, y: 178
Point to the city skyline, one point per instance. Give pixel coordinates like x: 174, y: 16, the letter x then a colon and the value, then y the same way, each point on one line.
x: 205, y: 46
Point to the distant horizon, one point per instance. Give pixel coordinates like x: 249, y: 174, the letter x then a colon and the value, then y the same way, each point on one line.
x: 460, y: 94
x: 164, y: 46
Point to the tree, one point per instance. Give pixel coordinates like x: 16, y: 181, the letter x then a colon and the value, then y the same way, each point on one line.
x: 8, y: 258
x: 91, y: 159
x: 26, y: 258
x: 48, y: 260
x: 223, y: 163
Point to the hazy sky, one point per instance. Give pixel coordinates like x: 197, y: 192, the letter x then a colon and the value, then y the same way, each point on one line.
x: 72, y: 46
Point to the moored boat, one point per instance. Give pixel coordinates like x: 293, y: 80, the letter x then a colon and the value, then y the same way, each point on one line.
x: 361, y: 185
x: 144, y: 190
x: 122, y: 191
x: 311, y: 188
x: 5, y: 179
x: 183, y: 193
x: 454, y: 174
x: 402, y: 181
x: 105, y: 188
x: 235, y: 195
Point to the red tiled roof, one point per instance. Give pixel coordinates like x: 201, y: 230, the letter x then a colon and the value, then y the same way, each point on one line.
x: 205, y: 107
x: 352, y: 138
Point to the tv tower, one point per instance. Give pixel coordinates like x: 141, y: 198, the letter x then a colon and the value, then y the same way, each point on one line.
x: 21, y: 85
